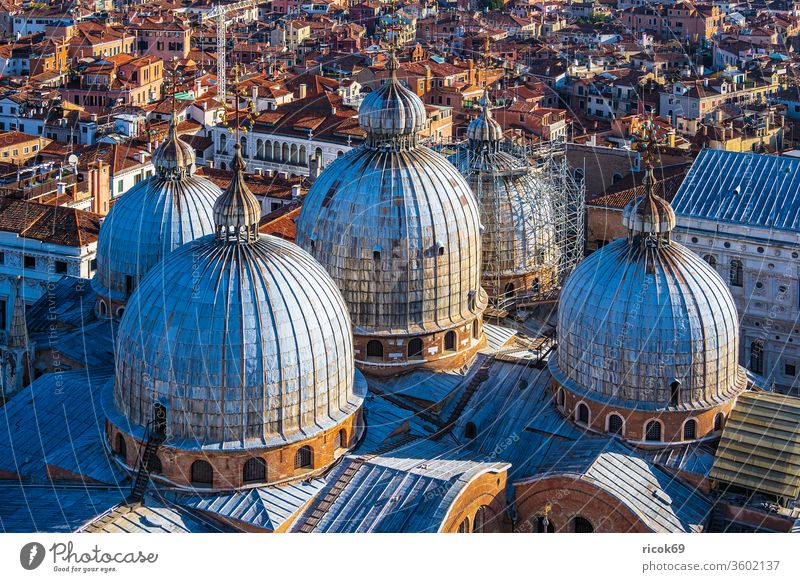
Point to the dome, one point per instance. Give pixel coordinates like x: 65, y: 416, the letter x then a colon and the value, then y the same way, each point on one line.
x: 174, y: 156
x: 245, y: 339
x: 520, y: 251
x: 397, y: 227
x: 644, y: 316
x: 399, y: 232
x: 146, y: 223
x: 392, y: 111
x: 246, y: 344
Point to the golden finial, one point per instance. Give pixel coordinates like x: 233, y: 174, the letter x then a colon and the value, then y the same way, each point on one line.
x: 648, y: 142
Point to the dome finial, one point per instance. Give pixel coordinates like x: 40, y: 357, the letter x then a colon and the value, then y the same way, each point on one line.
x: 174, y: 157
x: 237, y: 212
x: 392, y: 115
x: 649, y: 214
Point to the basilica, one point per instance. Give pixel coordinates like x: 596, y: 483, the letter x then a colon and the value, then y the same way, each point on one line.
x: 416, y: 361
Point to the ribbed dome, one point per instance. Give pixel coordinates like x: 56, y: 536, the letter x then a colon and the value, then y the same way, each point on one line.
x: 485, y: 127
x: 237, y: 210
x: 392, y: 111
x: 517, y: 216
x: 636, y: 316
x: 174, y: 156
x: 149, y: 221
x: 649, y: 214
x: 247, y: 344
x: 399, y: 232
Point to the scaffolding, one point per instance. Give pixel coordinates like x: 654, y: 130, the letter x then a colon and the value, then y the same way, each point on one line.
x: 532, y: 213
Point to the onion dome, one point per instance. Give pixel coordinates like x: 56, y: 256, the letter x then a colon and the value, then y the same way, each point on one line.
x: 244, y: 338
x: 393, y: 113
x: 484, y: 130
x: 237, y: 212
x: 644, y: 323
x: 152, y: 219
x: 174, y: 156
x: 398, y: 229
x: 649, y: 214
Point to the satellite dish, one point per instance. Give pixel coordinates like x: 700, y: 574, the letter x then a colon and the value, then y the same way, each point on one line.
x: 72, y: 160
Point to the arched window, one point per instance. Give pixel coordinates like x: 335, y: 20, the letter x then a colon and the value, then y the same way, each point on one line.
x: 675, y: 393
x: 616, y: 178
x: 560, y: 397
x: 737, y: 273
x: 103, y: 308
x: 582, y: 413
x: 243, y: 143
x: 711, y: 260
x: 223, y: 143
x: 254, y: 470
x: 303, y: 458
x: 535, y: 287
x: 303, y: 156
x: 374, y: 349
x: 120, y: 312
x: 122, y: 448
x: 615, y: 424
x: 259, y: 149
x: 463, y: 527
x: 285, y: 153
x: 578, y: 174
x: 293, y: 153
x: 450, y: 341
x: 479, y: 522
x: 202, y: 473
x: 718, y: 422
x: 415, y: 348
x: 274, y: 152
x: 341, y: 439
x: 508, y: 292
x: 318, y: 154
x: 544, y: 525
x: 475, y: 329
x: 757, y: 357
x: 690, y: 430
x: 652, y: 431
x: 581, y: 525
x: 470, y: 430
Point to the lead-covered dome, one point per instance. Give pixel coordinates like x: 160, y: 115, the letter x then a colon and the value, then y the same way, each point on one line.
x: 152, y: 219
x: 396, y: 226
x: 245, y: 339
x: 644, y: 323
x: 520, y: 250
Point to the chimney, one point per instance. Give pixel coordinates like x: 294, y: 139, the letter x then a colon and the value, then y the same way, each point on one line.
x: 61, y: 188
x: 210, y: 164
x: 149, y: 147
x: 295, y: 191
x: 302, y: 91
x: 142, y: 157
x: 314, y: 167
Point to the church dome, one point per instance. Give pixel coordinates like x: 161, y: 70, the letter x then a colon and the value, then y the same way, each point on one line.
x: 520, y: 251
x: 244, y: 338
x: 644, y: 323
x: 397, y: 227
x: 152, y: 219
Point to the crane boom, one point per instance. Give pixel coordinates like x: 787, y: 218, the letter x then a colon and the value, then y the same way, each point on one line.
x: 219, y: 11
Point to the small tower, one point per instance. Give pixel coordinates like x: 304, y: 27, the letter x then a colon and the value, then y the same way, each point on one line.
x: 16, y: 352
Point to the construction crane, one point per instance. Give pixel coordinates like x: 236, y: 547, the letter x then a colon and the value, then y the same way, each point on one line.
x: 219, y: 12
